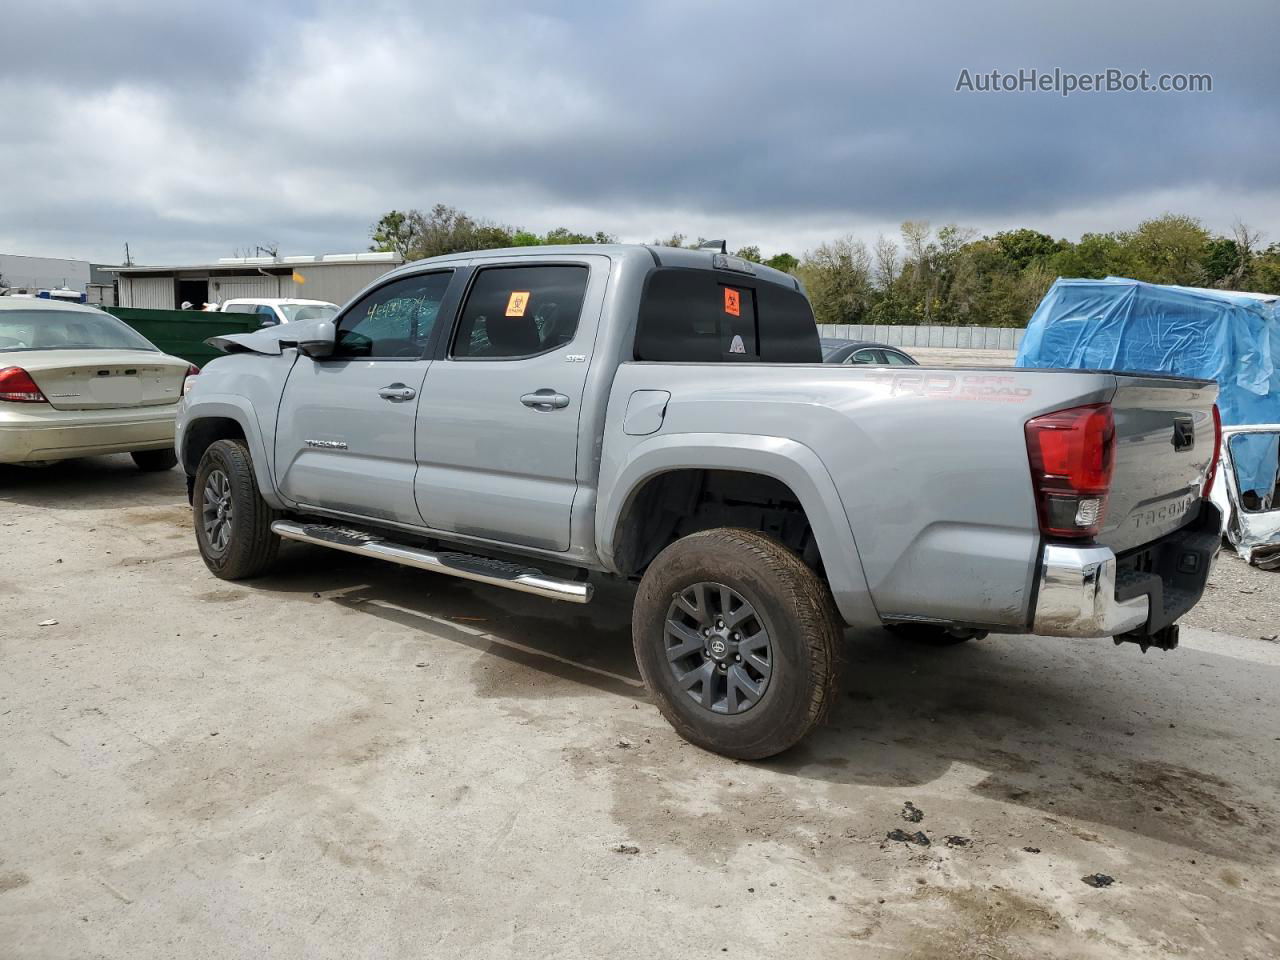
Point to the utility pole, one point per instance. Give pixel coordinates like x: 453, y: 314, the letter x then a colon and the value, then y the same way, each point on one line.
x: 128, y: 260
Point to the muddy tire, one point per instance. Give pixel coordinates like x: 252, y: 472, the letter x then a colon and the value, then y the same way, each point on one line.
x: 738, y: 642
x: 933, y: 635
x: 154, y: 461
x: 232, y: 521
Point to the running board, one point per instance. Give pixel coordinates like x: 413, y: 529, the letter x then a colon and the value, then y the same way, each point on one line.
x: 499, y: 573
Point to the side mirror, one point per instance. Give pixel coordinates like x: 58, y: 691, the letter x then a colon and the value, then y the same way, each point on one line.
x: 318, y: 340
x: 268, y: 322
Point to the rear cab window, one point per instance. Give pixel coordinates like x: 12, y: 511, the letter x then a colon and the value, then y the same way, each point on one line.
x: 713, y: 316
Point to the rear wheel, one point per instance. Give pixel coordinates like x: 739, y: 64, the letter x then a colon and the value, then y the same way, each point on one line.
x: 154, y: 461
x: 738, y: 642
x: 232, y: 521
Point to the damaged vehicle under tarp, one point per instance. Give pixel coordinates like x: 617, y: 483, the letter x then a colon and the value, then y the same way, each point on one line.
x: 1223, y: 335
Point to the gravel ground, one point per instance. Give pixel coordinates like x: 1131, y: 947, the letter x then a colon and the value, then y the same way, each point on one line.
x: 1241, y: 599
x: 349, y: 759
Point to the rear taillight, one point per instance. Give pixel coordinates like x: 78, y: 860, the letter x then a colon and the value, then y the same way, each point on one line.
x: 1212, y: 474
x: 192, y: 371
x: 16, y: 386
x: 1072, y: 454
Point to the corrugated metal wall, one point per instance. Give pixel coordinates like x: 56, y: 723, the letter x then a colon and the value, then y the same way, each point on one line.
x: 337, y: 282
x: 228, y: 288
x: 150, y: 293
x: 907, y: 335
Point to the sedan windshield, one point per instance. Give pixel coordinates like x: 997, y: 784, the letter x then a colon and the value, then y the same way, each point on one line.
x: 294, y: 312
x: 67, y: 330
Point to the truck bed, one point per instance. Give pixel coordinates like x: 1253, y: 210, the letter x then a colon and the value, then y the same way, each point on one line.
x: 931, y: 464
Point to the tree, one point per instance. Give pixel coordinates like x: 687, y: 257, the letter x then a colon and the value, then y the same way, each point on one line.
x: 1022, y: 247
x: 1097, y: 255
x: 837, y: 276
x: 565, y: 235
x: 750, y: 253
x: 783, y: 261
x: 929, y: 267
x: 886, y: 254
x: 395, y: 232
x: 1265, y: 271
x: 1171, y: 249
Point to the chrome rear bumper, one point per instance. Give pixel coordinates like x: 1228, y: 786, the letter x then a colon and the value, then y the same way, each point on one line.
x: 1077, y: 596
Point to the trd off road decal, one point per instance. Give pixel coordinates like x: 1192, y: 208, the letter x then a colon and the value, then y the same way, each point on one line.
x: 987, y: 387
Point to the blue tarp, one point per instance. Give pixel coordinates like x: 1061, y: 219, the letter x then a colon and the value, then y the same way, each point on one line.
x: 1119, y: 324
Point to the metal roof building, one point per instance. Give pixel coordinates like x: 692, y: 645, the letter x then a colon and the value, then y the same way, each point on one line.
x: 333, y: 277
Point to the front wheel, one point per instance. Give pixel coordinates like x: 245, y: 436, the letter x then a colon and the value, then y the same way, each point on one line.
x: 155, y: 461
x: 232, y: 521
x: 738, y: 641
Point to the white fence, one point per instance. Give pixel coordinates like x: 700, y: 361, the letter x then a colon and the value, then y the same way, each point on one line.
x: 906, y: 335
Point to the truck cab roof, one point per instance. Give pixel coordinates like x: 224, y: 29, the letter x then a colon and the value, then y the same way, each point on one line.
x: 652, y: 254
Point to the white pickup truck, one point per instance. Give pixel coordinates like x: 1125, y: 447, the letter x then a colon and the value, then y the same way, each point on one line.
x: 540, y: 417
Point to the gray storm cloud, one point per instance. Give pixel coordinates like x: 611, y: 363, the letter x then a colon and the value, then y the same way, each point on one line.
x: 189, y: 132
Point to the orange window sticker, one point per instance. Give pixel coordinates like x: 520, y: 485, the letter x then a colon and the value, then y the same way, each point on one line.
x: 732, y: 304
x: 516, y: 303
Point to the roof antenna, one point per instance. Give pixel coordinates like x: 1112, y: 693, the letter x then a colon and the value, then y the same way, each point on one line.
x: 717, y: 245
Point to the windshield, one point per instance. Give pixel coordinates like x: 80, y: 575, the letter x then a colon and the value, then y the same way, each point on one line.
x: 831, y: 346
x: 294, y: 312
x: 67, y: 330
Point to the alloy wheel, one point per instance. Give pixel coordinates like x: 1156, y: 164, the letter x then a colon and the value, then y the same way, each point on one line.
x: 718, y: 648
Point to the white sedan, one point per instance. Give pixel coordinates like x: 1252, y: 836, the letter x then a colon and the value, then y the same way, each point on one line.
x: 77, y: 382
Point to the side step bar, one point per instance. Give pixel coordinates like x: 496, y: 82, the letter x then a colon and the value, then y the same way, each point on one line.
x: 499, y: 573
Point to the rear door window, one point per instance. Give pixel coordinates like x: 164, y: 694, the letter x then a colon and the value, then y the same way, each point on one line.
x: 514, y: 312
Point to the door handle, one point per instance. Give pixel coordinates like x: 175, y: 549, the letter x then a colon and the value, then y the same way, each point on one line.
x: 545, y: 399
x: 397, y: 392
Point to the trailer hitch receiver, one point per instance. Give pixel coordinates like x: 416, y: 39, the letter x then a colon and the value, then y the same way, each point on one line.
x: 1165, y: 638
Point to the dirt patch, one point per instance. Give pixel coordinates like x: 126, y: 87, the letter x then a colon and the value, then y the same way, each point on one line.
x: 221, y: 596
x: 157, y: 558
x: 12, y: 881
x: 175, y: 516
x: 980, y: 924
x: 1161, y: 800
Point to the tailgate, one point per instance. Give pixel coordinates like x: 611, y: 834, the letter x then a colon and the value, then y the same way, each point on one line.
x: 1164, y: 444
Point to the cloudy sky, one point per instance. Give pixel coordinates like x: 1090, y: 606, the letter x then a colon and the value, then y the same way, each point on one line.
x: 191, y: 130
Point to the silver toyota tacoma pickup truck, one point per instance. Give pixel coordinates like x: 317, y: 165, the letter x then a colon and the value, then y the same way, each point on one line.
x: 541, y: 417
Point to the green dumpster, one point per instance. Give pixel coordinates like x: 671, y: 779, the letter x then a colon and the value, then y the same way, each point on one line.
x: 182, y: 333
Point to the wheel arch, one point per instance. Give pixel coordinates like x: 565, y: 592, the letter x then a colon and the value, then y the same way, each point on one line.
x: 669, y: 464
x: 223, y: 420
